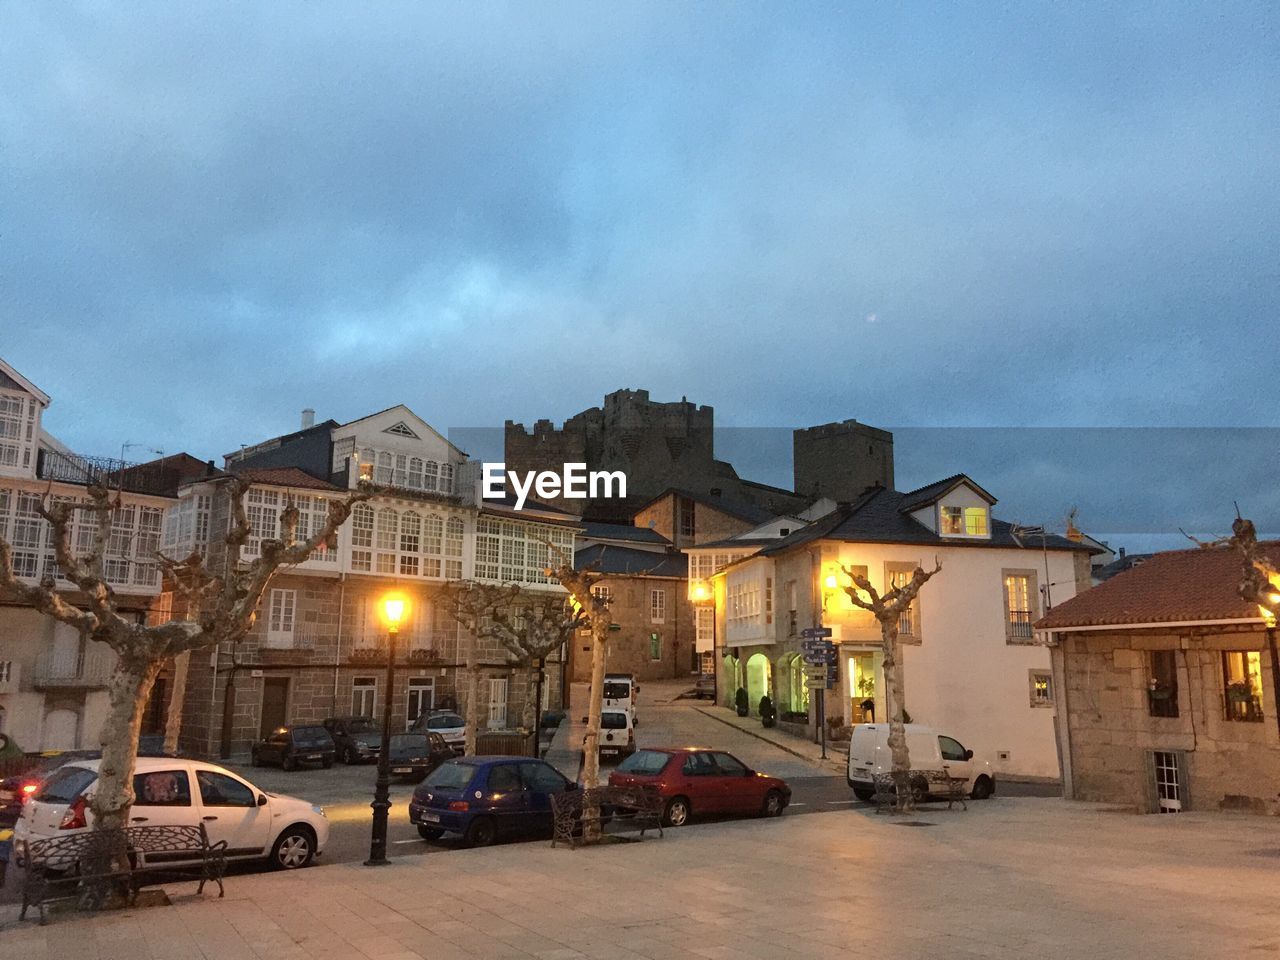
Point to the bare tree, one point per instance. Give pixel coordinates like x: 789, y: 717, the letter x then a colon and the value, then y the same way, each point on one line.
x: 1260, y: 584
x: 888, y: 609
x: 468, y: 604
x: 226, y: 605
x: 596, y: 611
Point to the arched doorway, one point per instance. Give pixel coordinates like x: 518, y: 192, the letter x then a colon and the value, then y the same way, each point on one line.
x: 757, y: 680
x: 794, y: 691
x: 731, y: 678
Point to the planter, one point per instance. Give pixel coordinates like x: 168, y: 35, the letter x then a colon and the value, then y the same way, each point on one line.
x: 1160, y: 693
x: 1239, y: 694
x: 743, y: 711
x: 424, y: 656
x: 768, y: 721
x: 367, y: 655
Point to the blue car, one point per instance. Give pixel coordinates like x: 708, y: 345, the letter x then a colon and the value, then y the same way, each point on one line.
x: 484, y: 798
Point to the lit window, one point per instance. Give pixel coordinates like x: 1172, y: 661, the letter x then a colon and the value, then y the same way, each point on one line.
x: 658, y: 606
x: 1041, y: 688
x: 1242, y: 676
x: 952, y: 521
x: 975, y: 521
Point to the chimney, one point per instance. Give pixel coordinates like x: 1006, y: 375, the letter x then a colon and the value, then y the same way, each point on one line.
x: 1122, y: 553
x: 308, y: 418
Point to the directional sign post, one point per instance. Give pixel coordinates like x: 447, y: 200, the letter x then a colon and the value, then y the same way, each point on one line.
x: 814, y: 633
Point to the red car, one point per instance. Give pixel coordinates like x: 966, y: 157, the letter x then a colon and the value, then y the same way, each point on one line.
x: 693, y: 780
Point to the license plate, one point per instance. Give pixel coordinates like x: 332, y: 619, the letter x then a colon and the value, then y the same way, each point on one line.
x: 402, y: 769
x: 313, y: 756
x: 6, y: 794
x: 431, y: 818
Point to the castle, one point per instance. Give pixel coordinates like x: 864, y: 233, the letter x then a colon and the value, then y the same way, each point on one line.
x: 671, y: 445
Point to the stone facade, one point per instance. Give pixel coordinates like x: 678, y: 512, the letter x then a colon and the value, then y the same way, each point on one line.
x: 840, y: 460
x: 709, y: 523
x: 632, y: 646
x: 1113, y: 729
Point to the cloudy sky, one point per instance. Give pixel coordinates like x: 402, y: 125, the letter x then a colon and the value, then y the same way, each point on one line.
x: 923, y: 217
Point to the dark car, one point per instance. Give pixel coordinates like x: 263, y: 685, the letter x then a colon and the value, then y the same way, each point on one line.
x: 484, y: 798
x: 26, y: 775
x: 293, y: 745
x: 414, y: 755
x: 693, y: 780
x: 358, y: 739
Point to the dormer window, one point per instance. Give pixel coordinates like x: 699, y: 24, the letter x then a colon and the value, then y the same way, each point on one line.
x: 963, y: 521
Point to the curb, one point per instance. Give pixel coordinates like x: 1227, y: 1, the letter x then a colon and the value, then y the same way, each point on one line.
x: 759, y: 736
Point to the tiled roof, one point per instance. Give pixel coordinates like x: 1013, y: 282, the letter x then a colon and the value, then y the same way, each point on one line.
x: 731, y: 542
x: 621, y: 531
x: 933, y: 492
x: 1178, y: 586
x: 1120, y: 565
x: 733, y: 508
x: 877, y: 517
x: 284, y: 477
x: 624, y: 561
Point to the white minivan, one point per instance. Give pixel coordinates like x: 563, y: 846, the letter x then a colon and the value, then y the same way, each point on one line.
x: 928, y: 749
x: 617, y: 736
x: 620, y: 693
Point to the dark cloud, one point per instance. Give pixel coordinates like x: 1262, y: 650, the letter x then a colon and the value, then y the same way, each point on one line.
x: 947, y: 216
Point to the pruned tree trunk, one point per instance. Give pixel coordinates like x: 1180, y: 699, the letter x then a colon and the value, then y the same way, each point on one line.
x: 127, y: 692
x: 177, y: 700
x: 899, y: 755
x: 531, y: 704
x: 473, y: 704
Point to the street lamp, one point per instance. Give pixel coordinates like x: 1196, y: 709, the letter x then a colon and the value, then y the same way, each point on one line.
x: 393, y: 607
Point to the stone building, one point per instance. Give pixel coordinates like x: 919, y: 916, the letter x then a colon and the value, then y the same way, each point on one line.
x: 660, y: 446
x: 971, y: 665
x: 53, y: 682
x: 645, y: 581
x: 318, y: 647
x: 1167, y: 684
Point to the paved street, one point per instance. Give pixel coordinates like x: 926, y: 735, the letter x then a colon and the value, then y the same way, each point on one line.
x: 1011, y: 878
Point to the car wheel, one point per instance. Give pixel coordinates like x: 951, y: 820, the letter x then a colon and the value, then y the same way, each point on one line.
x: 773, y: 804
x: 864, y: 793
x: 482, y: 832
x: 349, y: 757
x: 294, y: 849
x: 288, y: 763
x: 677, y: 812
x: 982, y: 788
x: 429, y: 833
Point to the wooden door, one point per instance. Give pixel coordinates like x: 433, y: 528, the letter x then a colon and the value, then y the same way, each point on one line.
x: 275, y: 704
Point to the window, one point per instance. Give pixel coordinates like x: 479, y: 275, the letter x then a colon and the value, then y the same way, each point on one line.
x: 421, y: 698
x: 65, y: 784
x: 975, y: 521
x: 431, y: 476
x: 699, y: 765
x: 6, y: 671
x: 220, y: 790
x: 446, y: 478
x: 686, y: 517
x: 603, y: 591
x: 768, y: 599
x: 658, y: 606
x: 280, y: 618
x: 952, y: 750
x: 898, y: 575
x: 17, y: 430
x: 364, y: 696
x: 504, y: 778
x: 1242, y: 678
x: 362, y: 537
x: 655, y: 647
x: 730, y: 766
x: 1162, y: 683
x: 1019, y: 605
x: 497, y: 703
x: 705, y: 626
x: 542, y: 778
x: 1041, y: 684
x: 952, y: 521
x: 164, y: 788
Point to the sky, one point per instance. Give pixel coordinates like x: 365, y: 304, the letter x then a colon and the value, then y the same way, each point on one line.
x: 927, y: 217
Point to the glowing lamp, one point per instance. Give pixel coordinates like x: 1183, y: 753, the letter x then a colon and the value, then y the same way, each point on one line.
x: 831, y: 582
x: 393, y: 610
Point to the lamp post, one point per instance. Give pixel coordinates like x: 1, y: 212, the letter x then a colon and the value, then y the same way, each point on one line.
x: 393, y: 608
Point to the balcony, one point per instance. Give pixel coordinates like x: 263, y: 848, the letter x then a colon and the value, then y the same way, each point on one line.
x: 1242, y: 705
x: 149, y: 478
x: 87, y: 669
x: 1018, y: 625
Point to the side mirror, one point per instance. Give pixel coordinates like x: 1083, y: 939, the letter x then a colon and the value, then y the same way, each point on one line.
x: 968, y: 754
x: 262, y: 799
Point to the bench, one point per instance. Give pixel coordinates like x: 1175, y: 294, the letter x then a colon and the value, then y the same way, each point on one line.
x: 57, y: 867
x: 633, y: 808
x: 925, y: 785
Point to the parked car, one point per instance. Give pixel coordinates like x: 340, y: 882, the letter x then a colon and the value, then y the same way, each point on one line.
x: 18, y: 787
x: 293, y: 745
x: 356, y: 739
x: 621, y: 692
x: 617, y: 735
x: 414, y: 755
x: 928, y: 749
x: 286, y: 831
x: 704, y: 687
x: 446, y: 723
x: 484, y: 798
x: 694, y: 781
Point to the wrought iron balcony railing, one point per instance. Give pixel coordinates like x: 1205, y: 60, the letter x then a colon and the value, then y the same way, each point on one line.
x: 115, y: 474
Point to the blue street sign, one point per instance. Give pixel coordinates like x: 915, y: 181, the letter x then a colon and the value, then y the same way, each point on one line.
x: 813, y: 632
x: 816, y: 645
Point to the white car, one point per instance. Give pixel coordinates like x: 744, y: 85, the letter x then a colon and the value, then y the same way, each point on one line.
x: 446, y: 723
x: 929, y: 750
x: 286, y: 831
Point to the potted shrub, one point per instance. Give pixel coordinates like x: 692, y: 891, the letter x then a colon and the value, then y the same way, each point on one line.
x: 768, y: 716
x: 741, y: 702
x: 1239, y: 692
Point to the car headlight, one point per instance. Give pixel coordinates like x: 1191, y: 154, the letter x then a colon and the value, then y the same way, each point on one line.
x: 317, y: 809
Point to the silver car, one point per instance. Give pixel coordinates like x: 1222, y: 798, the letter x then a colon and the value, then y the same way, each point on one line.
x: 446, y: 723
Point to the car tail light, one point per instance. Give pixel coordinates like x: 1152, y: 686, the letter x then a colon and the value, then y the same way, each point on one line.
x: 73, y: 819
x: 27, y: 790
x: 460, y: 806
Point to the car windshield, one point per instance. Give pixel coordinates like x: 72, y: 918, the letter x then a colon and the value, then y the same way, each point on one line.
x: 613, y: 720
x: 311, y: 736
x: 617, y: 691
x: 450, y: 776
x: 362, y: 725
x: 443, y: 721
x: 644, y: 762
x: 65, y: 785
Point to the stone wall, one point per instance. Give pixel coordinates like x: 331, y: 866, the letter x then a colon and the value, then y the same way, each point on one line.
x: 630, y: 647
x: 840, y: 460
x: 1229, y: 763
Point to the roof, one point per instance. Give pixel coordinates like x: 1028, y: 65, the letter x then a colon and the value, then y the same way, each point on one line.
x: 1120, y: 565
x: 533, y: 510
x: 284, y: 477
x: 596, y: 530
x: 733, y: 508
x: 626, y: 561
x: 933, y: 492
x: 733, y: 542
x: 401, y: 406
x: 23, y: 383
x: 878, y: 517
x: 1174, y: 587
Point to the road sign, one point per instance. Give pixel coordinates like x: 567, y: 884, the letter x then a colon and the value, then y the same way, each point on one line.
x: 817, y: 685
x: 815, y: 632
x: 816, y: 673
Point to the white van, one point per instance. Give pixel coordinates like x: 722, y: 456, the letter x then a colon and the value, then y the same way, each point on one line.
x: 617, y: 735
x: 620, y: 693
x: 929, y: 750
